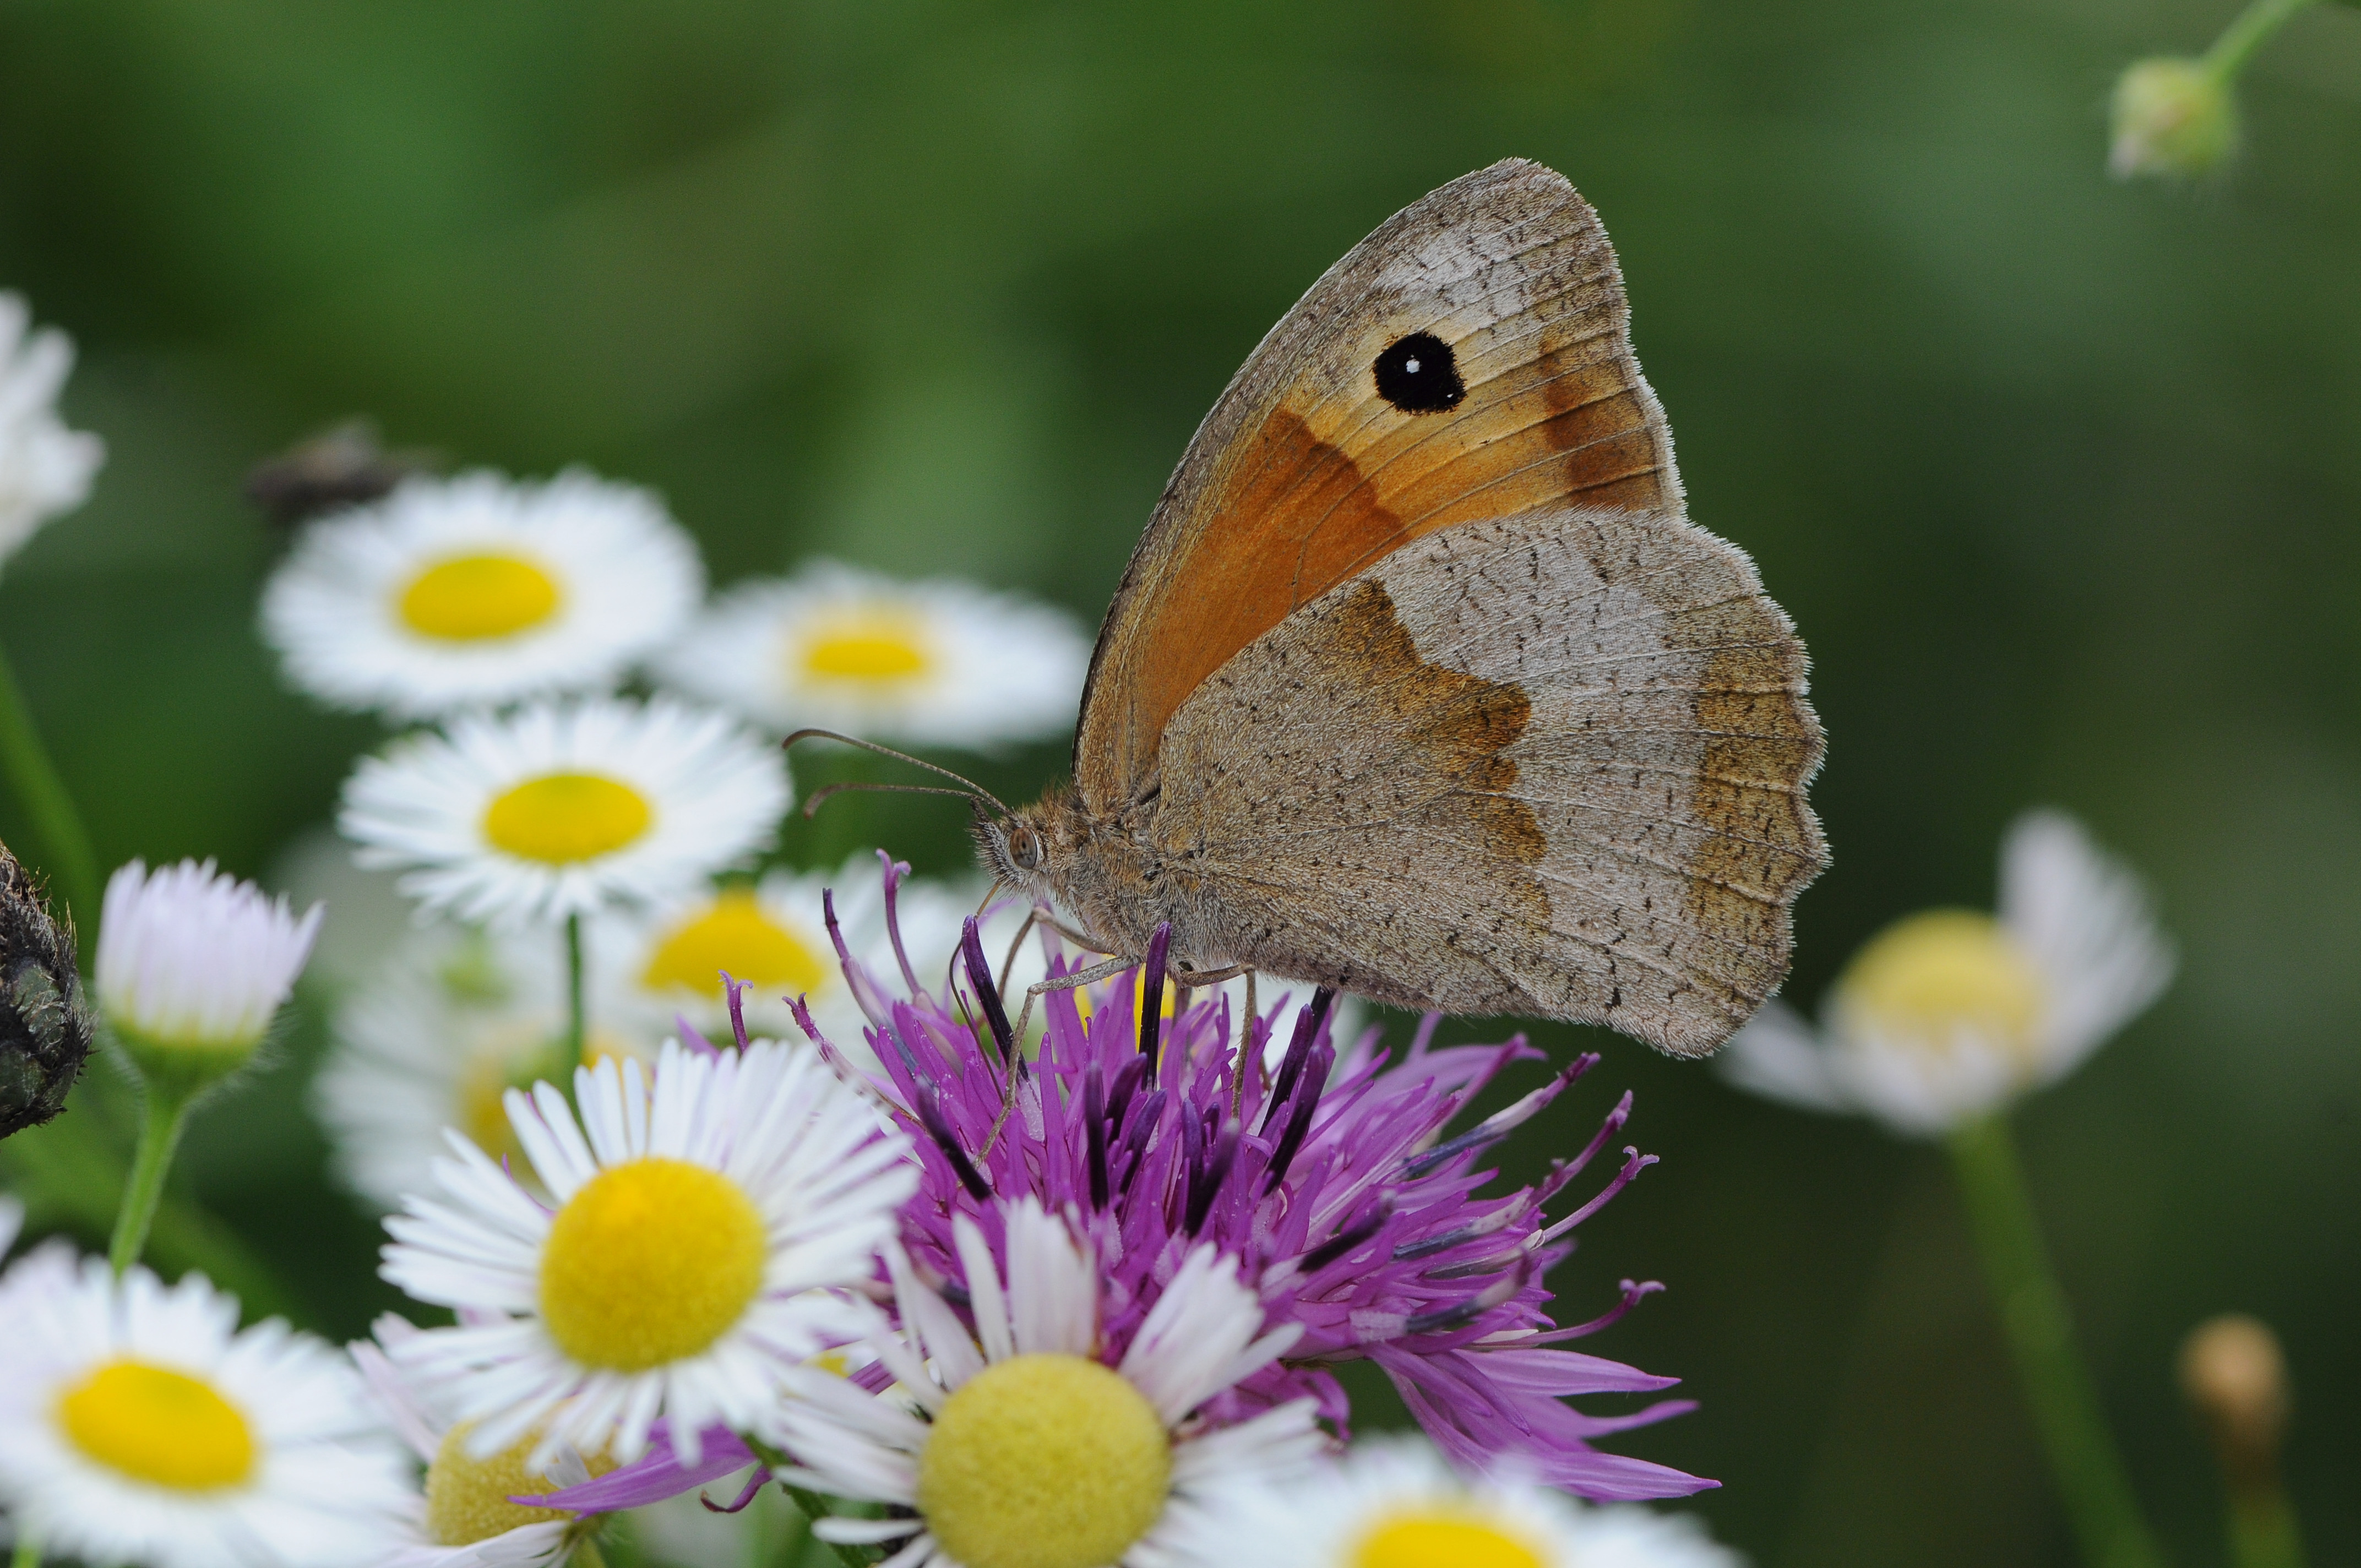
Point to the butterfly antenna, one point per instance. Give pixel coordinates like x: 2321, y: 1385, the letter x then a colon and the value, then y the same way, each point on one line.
x: 975, y: 790
x: 865, y: 786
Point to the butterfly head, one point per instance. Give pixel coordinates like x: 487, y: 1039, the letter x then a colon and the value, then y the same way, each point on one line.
x: 1021, y: 846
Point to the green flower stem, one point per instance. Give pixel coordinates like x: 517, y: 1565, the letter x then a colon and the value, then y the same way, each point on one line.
x: 811, y: 1505
x: 2248, y: 32
x: 2082, y: 1458
x: 28, y: 1551
x: 2263, y: 1530
x: 578, y: 1023
x: 587, y: 1553
x: 35, y: 778
x: 159, y: 1134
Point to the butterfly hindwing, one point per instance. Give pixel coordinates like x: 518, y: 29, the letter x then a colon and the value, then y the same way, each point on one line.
x: 1546, y: 765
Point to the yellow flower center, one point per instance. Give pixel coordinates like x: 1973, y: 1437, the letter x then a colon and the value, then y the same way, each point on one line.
x: 882, y: 646
x: 1442, y: 1537
x: 650, y: 1262
x: 1931, y: 979
x: 475, y: 598
x: 467, y: 1498
x: 561, y: 819
x: 732, y: 932
x: 1044, y: 1462
x: 156, y: 1425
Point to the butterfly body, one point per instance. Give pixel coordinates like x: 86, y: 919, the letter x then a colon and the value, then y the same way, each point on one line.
x: 1421, y: 684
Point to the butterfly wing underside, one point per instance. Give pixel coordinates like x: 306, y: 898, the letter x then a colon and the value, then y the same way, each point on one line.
x: 1440, y: 697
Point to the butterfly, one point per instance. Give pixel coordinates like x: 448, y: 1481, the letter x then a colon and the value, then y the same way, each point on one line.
x: 1421, y: 685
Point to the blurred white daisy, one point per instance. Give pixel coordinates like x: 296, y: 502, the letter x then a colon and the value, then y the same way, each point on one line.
x: 561, y: 807
x: 461, y: 1517
x: 1949, y: 1015
x: 692, y: 1259
x: 927, y: 664
x: 773, y: 935
x: 453, y: 593
x: 1394, y: 1503
x: 193, y: 965
x: 137, y: 1425
x: 45, y: 468
x: 451, y: 1022
x: 1027, y: 1448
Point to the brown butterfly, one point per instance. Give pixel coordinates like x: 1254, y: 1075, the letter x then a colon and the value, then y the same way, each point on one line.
x: 1420, y: 683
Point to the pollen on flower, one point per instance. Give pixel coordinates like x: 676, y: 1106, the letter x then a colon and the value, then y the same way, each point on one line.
x: 1935, y: 978
x: 467, y: 1498
x: 477, y: 599
x: 649, y: 1262
x: 160, y: 1426
x: 879, y: 646
x: 1044, y: 1461
x: 732, y: 932
x: 1432, y: 1536
x: 565, y: 818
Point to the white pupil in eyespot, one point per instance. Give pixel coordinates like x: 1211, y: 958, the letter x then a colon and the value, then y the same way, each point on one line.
x: 1411, y: 366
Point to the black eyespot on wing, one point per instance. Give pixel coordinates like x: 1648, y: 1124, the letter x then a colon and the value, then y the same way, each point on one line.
x: 1418, y: 375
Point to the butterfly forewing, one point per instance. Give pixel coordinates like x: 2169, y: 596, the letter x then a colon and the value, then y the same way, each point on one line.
x: 1307, y: 471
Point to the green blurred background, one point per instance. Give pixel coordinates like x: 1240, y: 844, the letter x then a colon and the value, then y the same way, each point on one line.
x: 2058, y: 476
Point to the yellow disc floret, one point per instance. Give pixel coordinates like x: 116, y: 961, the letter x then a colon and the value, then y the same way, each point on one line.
x: 476, y: 599
x: 732, y: 932
x: 1442, y: 1537
x: 650, y: 1262
x: 467, y: 1498
x: 160, y: 1426
x: 561, y: 819
x: 1932, y: 980
x: 873, y: 647
x: 1044, y: 1462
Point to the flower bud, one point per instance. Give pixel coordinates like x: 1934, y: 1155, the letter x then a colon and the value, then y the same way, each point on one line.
x: 2171, y: 117
x: 192, y: 966
x: 2232, y: 1371
x: 45, y: 1027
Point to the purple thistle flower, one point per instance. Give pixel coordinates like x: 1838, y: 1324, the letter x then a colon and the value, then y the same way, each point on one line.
x: 1331, y: 1178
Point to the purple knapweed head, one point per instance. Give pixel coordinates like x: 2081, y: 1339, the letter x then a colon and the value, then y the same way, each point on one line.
x: 1329, y: 1171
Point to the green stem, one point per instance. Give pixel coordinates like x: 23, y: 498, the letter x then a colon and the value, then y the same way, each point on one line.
x: 28, y: 1551
x: 159, y: 1134
x: 577, y: 1024
x: 811, y: 1505
x: 2248, y: 32
x: 2033, y: 1315
x: 587, y: 1553
x: 2263, y: 1530
x: 35, y: 778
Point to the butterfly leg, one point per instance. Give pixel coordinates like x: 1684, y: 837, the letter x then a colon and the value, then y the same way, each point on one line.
x: 1075, y: 980
x: 1245, y: 1043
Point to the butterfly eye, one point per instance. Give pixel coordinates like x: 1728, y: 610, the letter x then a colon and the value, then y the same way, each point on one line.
x: 1024, y: 849
x: 1419, y: 374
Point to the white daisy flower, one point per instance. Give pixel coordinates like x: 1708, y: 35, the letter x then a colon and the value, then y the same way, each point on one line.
x: 1027, y: 1450
x: 437, y: 1038
x: 691, y: 1259
x: 45, y: 468
x: 136, y: 1425
x: 562, y: 807
x: 1949, y: 1015
x: 461, y: 1517
x: 927, y: 664
x: 773, y: 935
x: 1394, y: 1503
x: 456, y: 593
x: 193, y: 965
